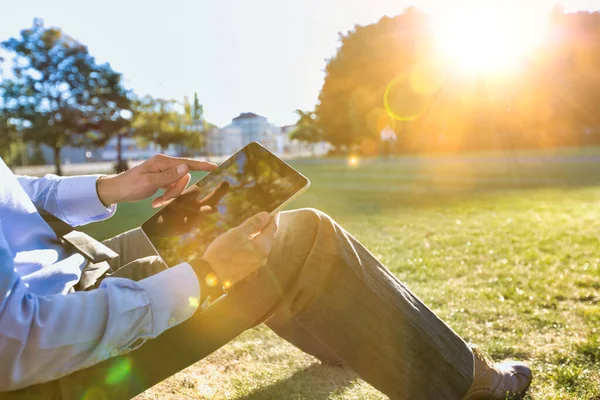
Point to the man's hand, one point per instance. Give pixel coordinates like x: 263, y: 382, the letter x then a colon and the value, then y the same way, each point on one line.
x: 142, y: 181
x: 242, y: 250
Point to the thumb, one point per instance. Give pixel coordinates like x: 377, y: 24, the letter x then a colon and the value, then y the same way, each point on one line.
x: 169, y: 176
x: 255, y: 223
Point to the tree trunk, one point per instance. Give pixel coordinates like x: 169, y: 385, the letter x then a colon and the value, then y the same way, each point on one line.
x: 119, y: 150
x: 121, y: 165
x: 23, y: 151
x: 57, y: 161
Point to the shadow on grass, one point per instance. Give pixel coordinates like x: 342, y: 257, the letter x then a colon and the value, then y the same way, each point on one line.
x: 316, y: 382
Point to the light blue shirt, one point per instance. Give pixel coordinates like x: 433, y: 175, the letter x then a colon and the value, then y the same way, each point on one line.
x: 47, y: 332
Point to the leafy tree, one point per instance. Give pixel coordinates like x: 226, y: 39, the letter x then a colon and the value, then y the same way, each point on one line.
x: 307, y: 129
x: 10, y: 143
x: 115, y: 125
x: 195, y: 124
x: 389, y: 72
x: 197, y: 109
x: 160, y: 121
x: 58, y: 93
x: 369, y: 59
x: 167, y: 122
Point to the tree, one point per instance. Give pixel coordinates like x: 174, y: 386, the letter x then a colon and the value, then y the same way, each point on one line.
x: 160, y: 121
x: 196, y: 125
x: 10, y: 143
x: 391, y: 72
x: 370, y: 60
x: 58, y: 94
x: 115, y: 124
x: 307, y: 129
x: 197, y: 110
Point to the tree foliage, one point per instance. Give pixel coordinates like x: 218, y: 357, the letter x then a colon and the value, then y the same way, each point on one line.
x: 390, y: 73
x: 307, y: 129
x: 370, y: 57
x: 196, y: 125
x: 10, y: 143
x: 166, y: 122
x: 58, y: 93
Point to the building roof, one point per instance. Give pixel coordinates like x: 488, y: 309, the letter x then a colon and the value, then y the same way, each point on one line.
x: 247, y: 115
x: 286, y: 128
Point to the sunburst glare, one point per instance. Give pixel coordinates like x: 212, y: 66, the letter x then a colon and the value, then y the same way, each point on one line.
x: 487, y: 40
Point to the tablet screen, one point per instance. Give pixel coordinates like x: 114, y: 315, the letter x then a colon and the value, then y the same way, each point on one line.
x: 251, y: 181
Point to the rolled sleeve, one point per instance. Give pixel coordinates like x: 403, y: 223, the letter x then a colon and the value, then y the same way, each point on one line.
x: 174, y: 296
x: 79, y: 199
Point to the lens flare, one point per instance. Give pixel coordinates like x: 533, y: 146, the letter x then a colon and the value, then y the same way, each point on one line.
x: 402, y: 102
x: 427, y: 77
x: 211, y: 279
x: 194, y: 302
x: 119, y: 371
x: 490, y: 39
x: 353, y: 161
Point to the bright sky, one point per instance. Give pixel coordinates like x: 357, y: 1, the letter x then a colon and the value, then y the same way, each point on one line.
x: 264, y: 56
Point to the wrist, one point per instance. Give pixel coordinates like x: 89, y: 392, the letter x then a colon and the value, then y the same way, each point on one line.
x: 207, y: 275
x: 107, y: 188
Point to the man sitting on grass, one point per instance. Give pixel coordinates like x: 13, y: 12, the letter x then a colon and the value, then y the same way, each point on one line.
x: 77, y: 321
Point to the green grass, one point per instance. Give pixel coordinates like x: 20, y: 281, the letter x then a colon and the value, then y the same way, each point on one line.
x: 505, y: 250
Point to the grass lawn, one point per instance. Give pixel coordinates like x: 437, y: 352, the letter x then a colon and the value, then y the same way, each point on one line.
x: 505, y: 249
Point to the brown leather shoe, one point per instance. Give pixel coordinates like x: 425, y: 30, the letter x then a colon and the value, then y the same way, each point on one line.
x: 507, y: 380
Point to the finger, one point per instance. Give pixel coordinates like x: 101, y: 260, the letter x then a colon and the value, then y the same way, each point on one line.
x: 255, y: 224
x: 174, y: 190
x: 167, y: 177
x: 177, y: 188
x: 158, y: 202
x: 169, y: 187
x: 271, y: 229
x: 163, y: 162
x: 264, y: 241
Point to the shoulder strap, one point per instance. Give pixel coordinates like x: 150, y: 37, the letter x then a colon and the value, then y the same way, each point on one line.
x: 83, y: 243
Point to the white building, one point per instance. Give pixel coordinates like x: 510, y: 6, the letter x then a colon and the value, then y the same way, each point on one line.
x: 245, y: 128
x: 249, y: 127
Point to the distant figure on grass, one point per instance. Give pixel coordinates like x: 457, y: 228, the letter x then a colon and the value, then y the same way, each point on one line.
x: 82, y: 319
x: 388, y: 141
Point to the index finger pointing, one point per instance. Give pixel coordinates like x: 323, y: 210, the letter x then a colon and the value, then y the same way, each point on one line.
x: 196, y: 165
x: 166, y: 162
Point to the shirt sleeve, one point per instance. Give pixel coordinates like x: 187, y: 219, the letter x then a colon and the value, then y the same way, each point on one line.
x: 44, y: 338
x: 74, y: 199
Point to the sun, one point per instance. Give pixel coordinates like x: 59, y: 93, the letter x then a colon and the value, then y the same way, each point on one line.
x: 485, y: 40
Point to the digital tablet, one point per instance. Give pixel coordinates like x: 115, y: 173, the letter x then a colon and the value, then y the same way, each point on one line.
x: 251, y: 181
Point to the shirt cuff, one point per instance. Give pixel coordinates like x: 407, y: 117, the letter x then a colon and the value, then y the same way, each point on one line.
x: 79, y: 200
x: 174, y: 296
